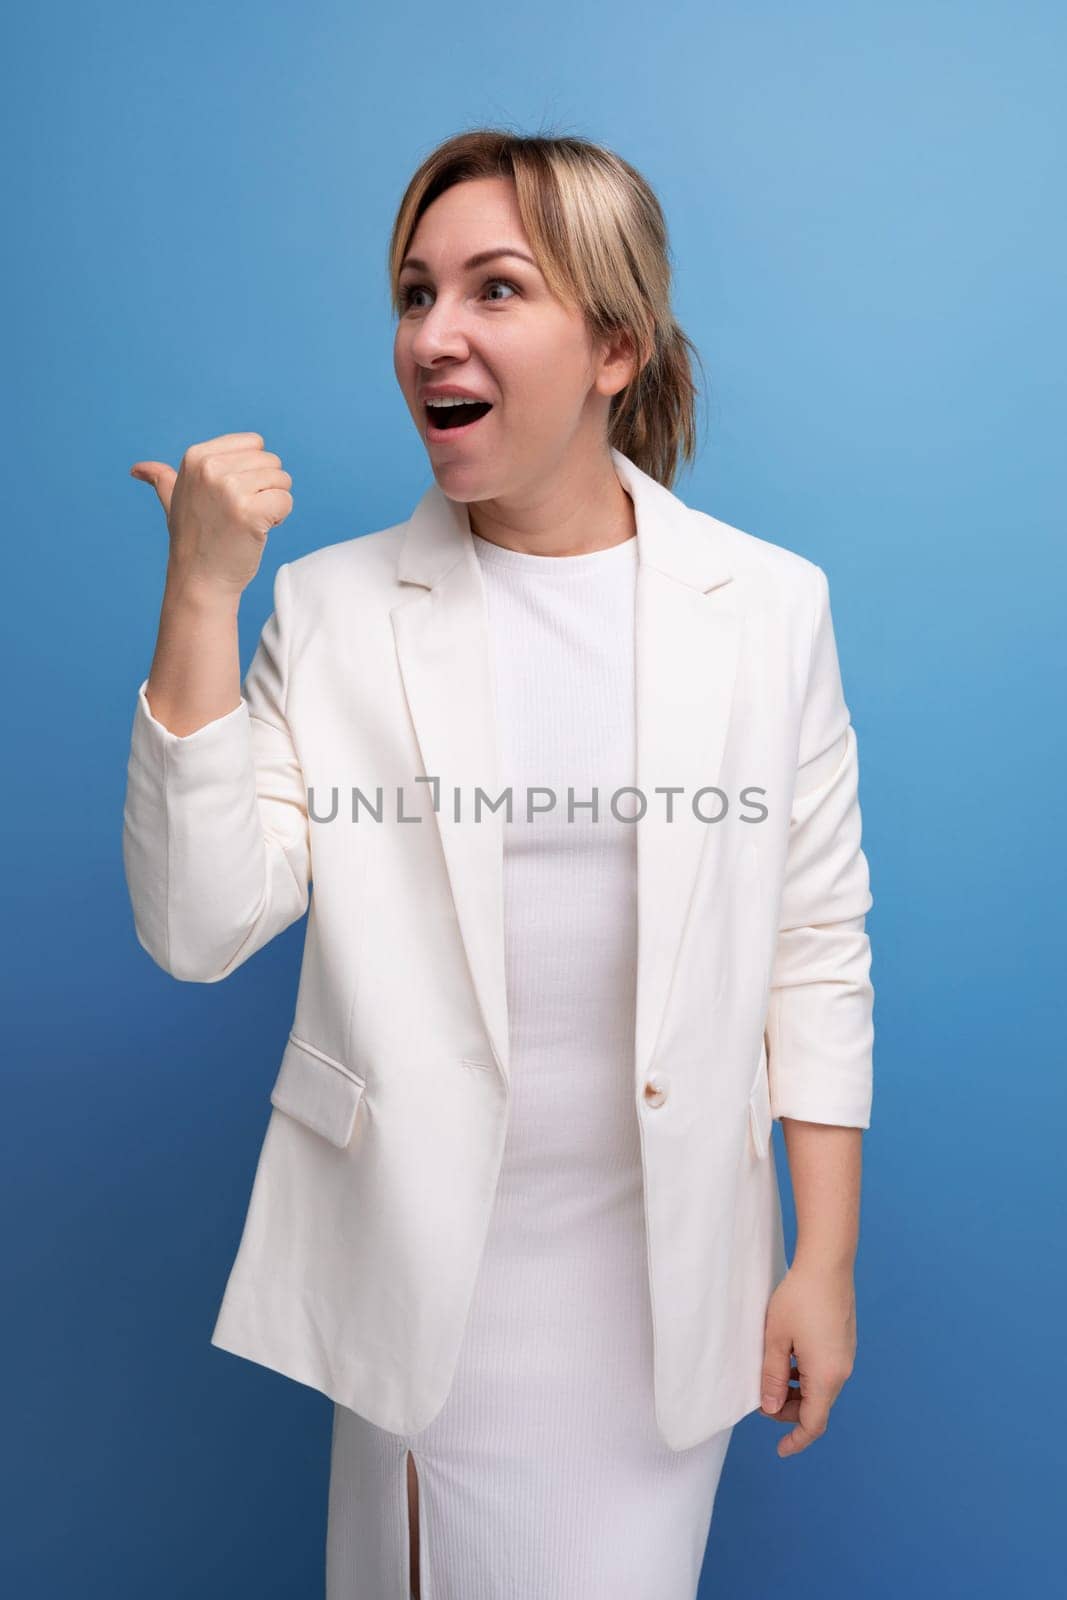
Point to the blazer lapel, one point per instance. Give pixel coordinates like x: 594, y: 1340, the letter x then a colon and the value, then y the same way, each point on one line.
x: 443, y: 646
x: 685, y: 657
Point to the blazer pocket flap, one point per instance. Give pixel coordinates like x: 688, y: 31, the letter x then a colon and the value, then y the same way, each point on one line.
x: 318, y: 1091
x: 759, y: 1107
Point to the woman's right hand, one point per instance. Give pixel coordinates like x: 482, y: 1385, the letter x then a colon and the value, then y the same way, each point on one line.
x: 220, y: 505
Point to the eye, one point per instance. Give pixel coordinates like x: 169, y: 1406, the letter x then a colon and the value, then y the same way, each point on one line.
x: 418, y: 288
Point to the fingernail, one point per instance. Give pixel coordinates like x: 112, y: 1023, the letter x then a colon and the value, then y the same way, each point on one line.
x: 769, y: 1403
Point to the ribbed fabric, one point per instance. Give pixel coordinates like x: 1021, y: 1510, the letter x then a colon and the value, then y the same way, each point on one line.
x: 544, y: 1477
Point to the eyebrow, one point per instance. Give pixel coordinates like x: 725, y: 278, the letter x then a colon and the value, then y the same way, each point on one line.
x: 475, y: 261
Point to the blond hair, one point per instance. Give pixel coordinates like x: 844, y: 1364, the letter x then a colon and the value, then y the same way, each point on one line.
x: 600, y: 240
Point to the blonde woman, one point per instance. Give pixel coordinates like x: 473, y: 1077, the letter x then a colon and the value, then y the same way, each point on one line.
x: 570, y: 766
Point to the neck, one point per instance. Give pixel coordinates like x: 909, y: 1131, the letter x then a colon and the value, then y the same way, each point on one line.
x: 575, y: 514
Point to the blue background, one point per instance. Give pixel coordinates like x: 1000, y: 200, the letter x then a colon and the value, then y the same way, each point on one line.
x: 866, y: 214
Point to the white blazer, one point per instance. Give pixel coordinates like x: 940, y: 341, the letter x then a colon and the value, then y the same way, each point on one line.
x: 376, y: 1177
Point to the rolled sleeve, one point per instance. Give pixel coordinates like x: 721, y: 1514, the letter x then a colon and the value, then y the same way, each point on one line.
x: 215, y: 829
x: 820, y: 1024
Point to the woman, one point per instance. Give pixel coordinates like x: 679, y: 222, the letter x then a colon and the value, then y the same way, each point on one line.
x: 468, y: 1276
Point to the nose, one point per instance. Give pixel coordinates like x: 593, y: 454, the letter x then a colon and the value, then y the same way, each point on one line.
x: 440, y: 334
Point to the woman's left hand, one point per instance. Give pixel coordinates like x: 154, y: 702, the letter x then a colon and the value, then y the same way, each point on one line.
x: 812, y: 1313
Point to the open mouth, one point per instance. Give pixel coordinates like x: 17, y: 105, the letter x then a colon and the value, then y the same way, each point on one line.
x: 455, y: 418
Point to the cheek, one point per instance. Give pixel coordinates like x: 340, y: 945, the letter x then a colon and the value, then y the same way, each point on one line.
x: 536, y: 377
x: 404, y: 336
x: 404, y: 368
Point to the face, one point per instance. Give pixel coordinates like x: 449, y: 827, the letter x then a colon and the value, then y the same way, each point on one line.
x: 495, y: 330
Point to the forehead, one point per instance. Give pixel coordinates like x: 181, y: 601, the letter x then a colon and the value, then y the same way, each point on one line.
x: 469, y: 219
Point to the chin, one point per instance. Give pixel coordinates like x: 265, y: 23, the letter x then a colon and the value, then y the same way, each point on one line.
x: 465, y: 481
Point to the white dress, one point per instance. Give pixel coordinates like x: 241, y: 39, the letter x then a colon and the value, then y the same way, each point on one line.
x: 544, y: 1476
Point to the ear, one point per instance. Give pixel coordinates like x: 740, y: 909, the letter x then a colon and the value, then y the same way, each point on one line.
x: 618, y: 362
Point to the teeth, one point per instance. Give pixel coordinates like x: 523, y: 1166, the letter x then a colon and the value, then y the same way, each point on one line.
x: 454, y: 400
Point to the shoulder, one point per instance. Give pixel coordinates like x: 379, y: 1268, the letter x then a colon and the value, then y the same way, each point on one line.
x: 763, y: 566
x: 364, y: 566
x: 758, y: 557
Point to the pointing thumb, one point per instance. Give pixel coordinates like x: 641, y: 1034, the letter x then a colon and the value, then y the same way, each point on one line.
x: 160, y: 476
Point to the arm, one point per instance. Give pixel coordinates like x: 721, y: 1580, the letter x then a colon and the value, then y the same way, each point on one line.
x: 196, y: 671
x: 819, y: 1038
x: 215, y: 829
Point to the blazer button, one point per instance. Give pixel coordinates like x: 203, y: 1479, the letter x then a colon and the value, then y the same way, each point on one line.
x: 657, y: 1086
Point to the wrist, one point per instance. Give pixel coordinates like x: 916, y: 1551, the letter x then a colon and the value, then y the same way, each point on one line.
x: 189, y: 590
x: 826, y: 1261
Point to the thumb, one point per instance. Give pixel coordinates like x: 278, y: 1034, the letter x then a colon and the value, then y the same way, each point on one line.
x: 160, y: 476
x: 774, y: 1387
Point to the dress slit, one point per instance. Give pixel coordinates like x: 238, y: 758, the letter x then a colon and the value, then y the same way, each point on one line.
x: 414, y: 1529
